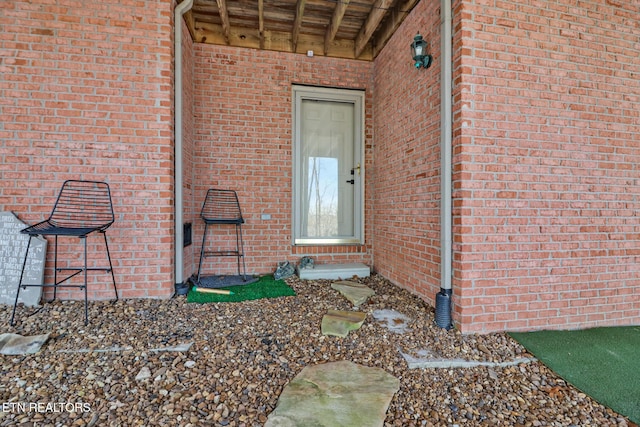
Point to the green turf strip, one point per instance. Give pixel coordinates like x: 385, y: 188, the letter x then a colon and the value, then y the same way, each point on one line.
x: 266, y: 287
x: 602, y: 362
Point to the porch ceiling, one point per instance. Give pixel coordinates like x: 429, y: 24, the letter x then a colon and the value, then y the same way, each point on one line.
x: 354, y: 29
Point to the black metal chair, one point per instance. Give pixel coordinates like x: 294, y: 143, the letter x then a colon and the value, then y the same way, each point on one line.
x: 82, y: 208
x: 222, y: 207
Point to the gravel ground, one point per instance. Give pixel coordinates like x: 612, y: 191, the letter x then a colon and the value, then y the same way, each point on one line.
x: 243, y: 354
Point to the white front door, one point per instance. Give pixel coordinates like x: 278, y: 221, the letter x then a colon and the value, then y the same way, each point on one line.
x: 328, y: 174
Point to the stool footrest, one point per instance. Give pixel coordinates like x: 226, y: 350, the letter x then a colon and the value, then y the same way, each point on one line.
x: 208, y: 254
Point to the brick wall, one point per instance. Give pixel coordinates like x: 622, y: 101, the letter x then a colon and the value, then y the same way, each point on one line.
x: 85, y: 92
x: 546, y: 123
x: 243, y: 141
x: 547, y: 179
x: 406, y: 172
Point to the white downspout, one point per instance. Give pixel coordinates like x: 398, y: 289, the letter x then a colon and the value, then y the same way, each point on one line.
x: 180, y: 10
x: 443, y: 299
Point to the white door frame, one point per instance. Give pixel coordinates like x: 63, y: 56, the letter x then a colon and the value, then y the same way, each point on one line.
x: 355, y: 97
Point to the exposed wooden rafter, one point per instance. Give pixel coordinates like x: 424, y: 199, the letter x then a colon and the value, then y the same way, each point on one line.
x: 261, y: 22
x: 334, y: 24
x: 224, y: 17
x: 391, y: 24
x: 297, y: 23
x: 373, y: 20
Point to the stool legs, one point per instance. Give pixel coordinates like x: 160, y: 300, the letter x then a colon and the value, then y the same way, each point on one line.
x: 76, y: 271
x: 24, y: 264
x: 240, y: 250
x: 113, y: 277
x: 204, y: 240
x: 238, y: 253
x: 55, y: 269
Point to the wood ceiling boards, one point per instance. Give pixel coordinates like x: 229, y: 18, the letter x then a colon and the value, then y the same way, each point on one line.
x: 354, y: 29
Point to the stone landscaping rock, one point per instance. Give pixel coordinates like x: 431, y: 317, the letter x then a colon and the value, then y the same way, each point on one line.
x: 15, y: 344
x: 355, y: 292
x: 335, y: 394
x: 179, y: 347
x: 144, y: 374
x: 339, y: 323
x: 426, y: 359
x: 393, y: 320
x: 247, y: 352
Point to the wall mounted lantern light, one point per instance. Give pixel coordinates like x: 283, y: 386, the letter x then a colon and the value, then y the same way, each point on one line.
x: 419, y: 52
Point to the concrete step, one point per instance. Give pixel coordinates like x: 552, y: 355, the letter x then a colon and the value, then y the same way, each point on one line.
x: 334, y: 271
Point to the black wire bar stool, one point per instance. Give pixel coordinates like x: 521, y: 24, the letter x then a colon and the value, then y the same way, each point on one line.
x: 82, y: 208
x: 222, y: 207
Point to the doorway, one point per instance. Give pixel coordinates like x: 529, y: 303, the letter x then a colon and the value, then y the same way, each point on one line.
x: 328, y: 166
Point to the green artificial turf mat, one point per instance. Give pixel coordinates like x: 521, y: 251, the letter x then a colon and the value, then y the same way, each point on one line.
x: 266, y: 287
x: 604, y: 363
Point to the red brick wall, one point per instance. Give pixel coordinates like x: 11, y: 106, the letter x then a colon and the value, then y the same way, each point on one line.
x: 406, y: 172
x: 547, y: 175
x: 243, y: 141
x: 546, y: 153
x: 85, y: 92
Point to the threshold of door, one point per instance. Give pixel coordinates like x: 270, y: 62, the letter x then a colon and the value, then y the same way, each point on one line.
x: 334, y: 271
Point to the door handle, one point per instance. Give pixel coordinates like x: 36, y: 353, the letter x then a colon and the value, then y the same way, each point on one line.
x: 351, y: 181
x: 356, y: 168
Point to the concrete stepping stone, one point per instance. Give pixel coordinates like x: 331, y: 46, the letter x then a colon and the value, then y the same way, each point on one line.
x: 393, y: 320
x: 427, y: 359
x: 15, y: 344
x: 339, y: 323
x: 335, y: 394
x: 118, y: 349
x: 355, y: 292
